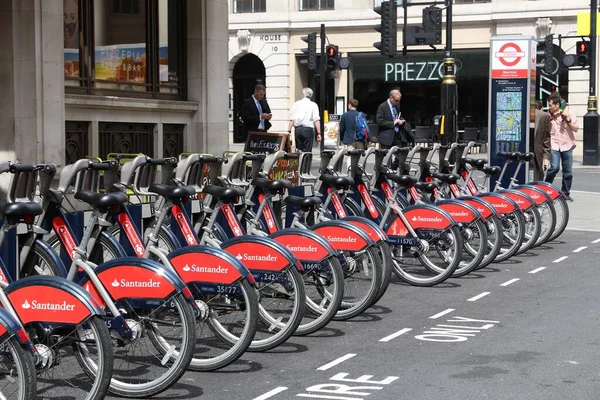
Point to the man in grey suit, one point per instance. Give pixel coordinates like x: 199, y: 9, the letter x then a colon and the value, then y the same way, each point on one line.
x: 393, y: 129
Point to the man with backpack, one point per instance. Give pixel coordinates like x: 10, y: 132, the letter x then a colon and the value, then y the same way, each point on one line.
x: 354, y: 129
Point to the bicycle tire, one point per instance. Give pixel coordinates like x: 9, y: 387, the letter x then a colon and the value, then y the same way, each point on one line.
x: 20, y: 363
x: 98, y: 328
x: 562, y: 217
x: 494, y: 243
x: 384, y: 249
x: 548, y: 222
x: 475, y: 241
x: 328, y: 281
x: 533, y: 224
x: 513, y: 231
x: 41, y: 261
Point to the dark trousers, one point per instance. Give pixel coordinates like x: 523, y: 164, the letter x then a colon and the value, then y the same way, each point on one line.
x: 304, y: 138
x: 566, y: 159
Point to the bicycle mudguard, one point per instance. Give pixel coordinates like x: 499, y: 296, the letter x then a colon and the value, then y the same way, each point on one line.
x: 523, y: 201
x: 259, y: 253
x: 51, y: 299
x: 9, y: 326
x: 343, y: 235
x: 55, y: 257
x: 306, y: 245
x: 501, y: 203
x: 549, y: 188
x: 538, y: 195
x: 425, y: 216
x: 460, y: 211
x: 132, y: 277
x: 485, y: 209
x: 205, y: 264
x: 369, y: 226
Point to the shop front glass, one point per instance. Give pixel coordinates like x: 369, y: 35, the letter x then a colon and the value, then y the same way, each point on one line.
x: 419, y: 76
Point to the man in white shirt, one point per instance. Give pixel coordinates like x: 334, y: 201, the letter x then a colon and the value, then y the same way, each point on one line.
x: 305, y: 118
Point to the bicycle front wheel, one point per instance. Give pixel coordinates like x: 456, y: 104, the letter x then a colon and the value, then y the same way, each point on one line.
x: 533, y: 225
x: 562, y: 217
x: 495, y: 235
x: 513, y: 233
x: 475, y: 239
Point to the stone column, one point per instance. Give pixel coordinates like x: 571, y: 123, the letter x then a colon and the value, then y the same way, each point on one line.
x: 207, y: 44
x: 32, y: 81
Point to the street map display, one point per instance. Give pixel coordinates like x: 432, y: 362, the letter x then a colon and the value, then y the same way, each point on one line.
x: 509, y: 107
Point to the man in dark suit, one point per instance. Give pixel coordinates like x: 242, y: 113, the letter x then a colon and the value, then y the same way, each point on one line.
x: 393, y: 129
x: 256, y: 113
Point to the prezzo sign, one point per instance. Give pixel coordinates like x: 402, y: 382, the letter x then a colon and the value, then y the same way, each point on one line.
x: 417, y: 71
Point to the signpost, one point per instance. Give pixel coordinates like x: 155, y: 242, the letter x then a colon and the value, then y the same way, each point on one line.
x: 512, y: 97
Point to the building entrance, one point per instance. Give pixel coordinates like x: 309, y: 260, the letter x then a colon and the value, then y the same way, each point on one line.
x: 247, y: 73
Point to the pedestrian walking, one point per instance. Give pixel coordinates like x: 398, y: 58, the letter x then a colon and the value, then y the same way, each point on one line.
x: 305, y: 120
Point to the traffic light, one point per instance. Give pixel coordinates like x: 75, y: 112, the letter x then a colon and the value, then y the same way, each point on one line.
x: 582, y: 53
x: 432, y: 24
x: 388, y: 28
x: 310, y: 51
x: 547, y: 51
x: 332, y: 53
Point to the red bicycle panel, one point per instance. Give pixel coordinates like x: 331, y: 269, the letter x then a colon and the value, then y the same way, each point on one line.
x: 206, y: 268
x: 184, y: 226
x: 534, y: 194
x: 132, y: 235
x: 427, y: 218
x: 483, y: 210
x: 550, y: 191
x: 128, y: 281
x: 458, y: 212
x: 304, y: 248
x: 268, y: 214
x: 257, y: 256
x: 39, y: 303
x: 232, y: 220
x: 61, y: 229
x: 366, y: 197
x: 501, y: 205
x: 523, y: 202
x: 374, y: 234
x: 342, y: 238
x: 397, y: 228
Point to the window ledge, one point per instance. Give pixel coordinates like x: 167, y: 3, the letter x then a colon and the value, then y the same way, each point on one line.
x: 127, y: 103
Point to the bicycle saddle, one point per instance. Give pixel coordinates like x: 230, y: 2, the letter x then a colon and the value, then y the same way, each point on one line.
x: 447, y: 178
x: 402, y: 180
x: 270, y: 185
x: 226, y: 194
x: 339, y: 182
x: 427, y: 187
x: 171, y: 192
x: 492, y: 171
x: 15, y: 212
x: 304, y: 203
x: 101, y: 201
x: 478, y: 163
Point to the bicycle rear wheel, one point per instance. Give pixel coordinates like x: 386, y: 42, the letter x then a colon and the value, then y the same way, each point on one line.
x: 475, y: 239
x: 562, y: 217
x: 533, y: 225
x: 61, y: 347
x: 495, y: 236
x: 513, y: 233
x: 17, y: 370
x: 429, y: 259
x: 548, y: 222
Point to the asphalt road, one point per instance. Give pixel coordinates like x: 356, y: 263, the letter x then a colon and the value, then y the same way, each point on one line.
x: 523, y: 329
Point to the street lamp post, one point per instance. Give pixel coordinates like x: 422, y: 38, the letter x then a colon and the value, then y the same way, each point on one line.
x: 591, y: 150
x: 449, y: 88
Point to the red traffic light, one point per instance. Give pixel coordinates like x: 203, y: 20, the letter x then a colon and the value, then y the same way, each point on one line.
x: 582, y: 47
x: 332, y: 51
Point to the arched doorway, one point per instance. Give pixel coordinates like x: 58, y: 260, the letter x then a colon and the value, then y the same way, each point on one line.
x: 247, y: 72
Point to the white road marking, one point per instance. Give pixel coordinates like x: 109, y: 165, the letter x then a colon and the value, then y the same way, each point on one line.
x: 395, y: 335
x: 535, y: 271
x: 579, y: 249
x: 336, y: 362
x: 563, y: 258
x: 442, y: 313
x: 596, y: 241
x: 509, y: 282
x: 479, y: 296
x: 271, y: 393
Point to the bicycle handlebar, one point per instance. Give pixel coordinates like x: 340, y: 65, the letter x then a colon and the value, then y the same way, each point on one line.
x: 161, y: 161
x: 253, y: 157
x: 102, y: 166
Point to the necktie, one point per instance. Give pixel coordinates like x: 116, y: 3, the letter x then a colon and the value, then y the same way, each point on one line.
x: 395, y: 116
x: 261, y: 124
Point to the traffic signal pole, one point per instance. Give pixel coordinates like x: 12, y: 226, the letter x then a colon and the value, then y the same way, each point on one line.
x: 449, y: 88
x: 322, y: 102
x: 591, y: 150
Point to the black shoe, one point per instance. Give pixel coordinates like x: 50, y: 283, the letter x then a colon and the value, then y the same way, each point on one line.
x: 568, y: 198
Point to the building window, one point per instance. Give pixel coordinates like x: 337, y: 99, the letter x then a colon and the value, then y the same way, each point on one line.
x: 125, y: 47
x: 249, y: 6
x: 315, y: 5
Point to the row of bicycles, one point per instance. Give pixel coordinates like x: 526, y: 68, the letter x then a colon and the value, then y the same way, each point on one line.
x: 230, y: 260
